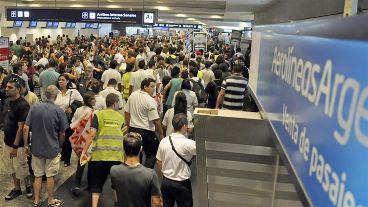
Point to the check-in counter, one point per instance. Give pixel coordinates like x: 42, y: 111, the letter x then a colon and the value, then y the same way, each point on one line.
x: 237, y: 163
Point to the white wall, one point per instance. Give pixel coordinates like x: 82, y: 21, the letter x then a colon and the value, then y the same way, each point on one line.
x: 15, y: 33
x: 105, y: 30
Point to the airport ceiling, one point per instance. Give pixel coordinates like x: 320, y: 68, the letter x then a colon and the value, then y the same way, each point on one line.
x: 170, y: 11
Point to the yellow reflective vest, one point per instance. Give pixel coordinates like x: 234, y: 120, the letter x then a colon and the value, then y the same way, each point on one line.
x: 108, y: 144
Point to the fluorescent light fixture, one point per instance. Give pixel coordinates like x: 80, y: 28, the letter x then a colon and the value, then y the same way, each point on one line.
x: 230, y: 28
x: 113, y: 6
x: 76, y: 5
x: 215, y: 16
x: 34, y: 5
x: 191, y: 19
x: 180, y: 15
x: 160, y: 20
x: 162, y: 8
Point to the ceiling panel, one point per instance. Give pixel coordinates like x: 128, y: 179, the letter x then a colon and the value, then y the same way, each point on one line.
x: 199, y: 11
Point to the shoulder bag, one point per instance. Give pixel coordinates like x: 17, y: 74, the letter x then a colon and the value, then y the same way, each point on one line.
x: 182, y: 158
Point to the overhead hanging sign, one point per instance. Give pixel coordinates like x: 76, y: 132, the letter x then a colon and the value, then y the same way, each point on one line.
x: 178, y: 26
x: 4, y: 52
x: 315, y: 94
x: 199, y: 41
x: 81, y: 15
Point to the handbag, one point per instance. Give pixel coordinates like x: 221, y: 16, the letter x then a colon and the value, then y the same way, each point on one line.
x: 69, y: 115
x: 73, y: 105
x: 81, y: 133
x: 182, y: 158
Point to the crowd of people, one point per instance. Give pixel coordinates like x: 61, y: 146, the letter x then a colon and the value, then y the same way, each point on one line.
x: 124, y: 105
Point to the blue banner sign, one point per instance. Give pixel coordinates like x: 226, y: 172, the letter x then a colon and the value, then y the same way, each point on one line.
x: 315, y: 94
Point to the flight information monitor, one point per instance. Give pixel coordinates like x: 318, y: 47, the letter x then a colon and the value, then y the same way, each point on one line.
x: 33, y: 24
x: 17, y: 23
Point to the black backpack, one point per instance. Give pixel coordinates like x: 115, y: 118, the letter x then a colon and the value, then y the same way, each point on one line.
x: 198, y: 88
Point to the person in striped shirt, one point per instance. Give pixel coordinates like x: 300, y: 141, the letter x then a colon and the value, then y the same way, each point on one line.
x: 233, y: 90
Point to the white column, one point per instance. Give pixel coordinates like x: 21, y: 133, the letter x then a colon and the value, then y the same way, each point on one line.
x: 351, y: 7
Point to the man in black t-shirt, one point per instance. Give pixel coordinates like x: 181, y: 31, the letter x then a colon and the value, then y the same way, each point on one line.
x: 134, y: 184
x: 15, y: 113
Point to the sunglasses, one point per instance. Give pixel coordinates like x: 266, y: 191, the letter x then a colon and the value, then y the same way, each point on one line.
x: 17, y: 83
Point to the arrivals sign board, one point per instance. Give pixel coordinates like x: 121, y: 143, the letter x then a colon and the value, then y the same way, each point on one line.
x: 4, y: 52
x: 315, y: 95
x: 81, y: 15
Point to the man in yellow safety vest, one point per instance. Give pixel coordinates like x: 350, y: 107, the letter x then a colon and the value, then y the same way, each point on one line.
x: 106, y: 137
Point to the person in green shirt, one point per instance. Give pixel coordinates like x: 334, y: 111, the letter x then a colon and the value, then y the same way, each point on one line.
x: 18, y: 49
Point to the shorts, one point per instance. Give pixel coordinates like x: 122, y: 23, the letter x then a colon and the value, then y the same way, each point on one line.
x: 17, y: 165
x: 42, y: 166
x: 97, y: 174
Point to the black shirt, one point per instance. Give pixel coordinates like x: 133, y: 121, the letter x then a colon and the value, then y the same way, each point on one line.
x: 14, y: 111
x: 83, y: 86
x: 212, y: 90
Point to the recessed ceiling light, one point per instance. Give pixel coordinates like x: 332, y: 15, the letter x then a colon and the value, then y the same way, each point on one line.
x: 34, y: 5
x: 215, y: 16
x: 191, y: 19
x: 180, y: 15
x: 162, y: 8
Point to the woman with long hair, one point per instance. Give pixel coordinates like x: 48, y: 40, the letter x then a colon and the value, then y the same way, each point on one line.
x: 81, y: 123
x: 180, y: 106
x: 192, y: 101
x: 69, y: 99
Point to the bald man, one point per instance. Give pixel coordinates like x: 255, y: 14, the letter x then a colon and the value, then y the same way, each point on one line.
x: 48, y: 122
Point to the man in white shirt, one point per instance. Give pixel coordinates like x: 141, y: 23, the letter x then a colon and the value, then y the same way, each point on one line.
x: 100, y: 101
x: 141, y: 56
x: 208, y: 74
x: 175, y: 165
x: 119, y: 57
x: 141, y: 116
x: 137, y: 77
x: 152, y: 73
x: 111, y: 84
x: 111, y: 73
x: 150, y: 53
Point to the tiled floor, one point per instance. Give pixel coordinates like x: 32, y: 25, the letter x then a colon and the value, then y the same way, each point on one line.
x: 64, y: 184
x: 6, y: 182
